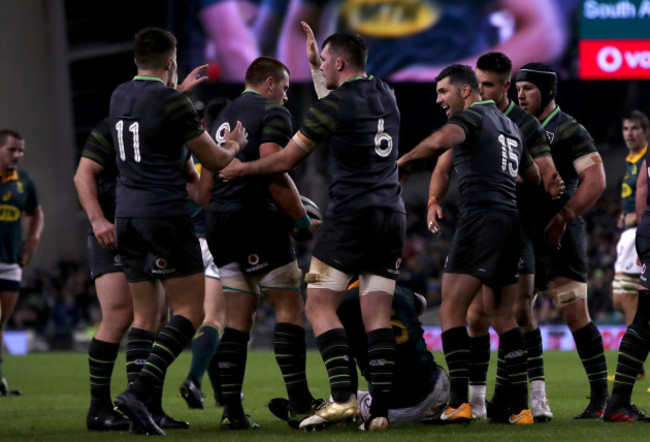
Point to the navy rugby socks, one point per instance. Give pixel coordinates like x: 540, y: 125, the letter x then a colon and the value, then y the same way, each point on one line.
x: 101, y: 360
x: 335, y: 351
x: 455, y: 343
x: 382, y: 353
x: 291, y: 354
x: 589, y: 343
x: 232, y: 355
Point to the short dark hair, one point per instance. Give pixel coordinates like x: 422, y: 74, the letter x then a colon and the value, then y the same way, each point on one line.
x: 639, y: 117
x: 460, y: 74
x: 6, y: 133
x: 496, y: 62
x: 264, y: 67
x: 351, y: 45
x: 152, y: 47
x: 212, y: 109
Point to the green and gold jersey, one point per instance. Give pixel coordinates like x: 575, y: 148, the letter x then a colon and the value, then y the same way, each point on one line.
x: 633, y: 164
x: 18, y: 197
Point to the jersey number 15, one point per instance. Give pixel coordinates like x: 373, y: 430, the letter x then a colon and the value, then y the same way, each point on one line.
x: 509, y: 158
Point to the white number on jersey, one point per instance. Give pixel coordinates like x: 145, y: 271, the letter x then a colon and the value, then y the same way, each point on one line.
x: 383, y: 141
x: 509, y: 160
x: 134, y: 128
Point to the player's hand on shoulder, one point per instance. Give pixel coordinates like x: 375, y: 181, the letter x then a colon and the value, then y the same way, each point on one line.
x: 238, y: 134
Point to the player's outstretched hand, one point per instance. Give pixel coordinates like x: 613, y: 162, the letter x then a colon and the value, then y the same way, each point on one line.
x: 194, y: 78
x: 312, y: 47
x: 554, y: 231
x: 433, y: 215
x: 238, y: 134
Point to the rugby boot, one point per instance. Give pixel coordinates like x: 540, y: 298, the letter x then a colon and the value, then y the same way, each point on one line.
x: 331, y: 412
x: 379, y: 423
x: 191, y: 392
x: 6, y: 391
x: 624, y: 413
x: 238, y: 423
x: 460, y: 415
x: 540, y: 408
x: 132, y: 406
x: 594, y: 410
x: 107, y: 420
x: 165, y: 421
x: 280, y: 409
x: 524, y: 417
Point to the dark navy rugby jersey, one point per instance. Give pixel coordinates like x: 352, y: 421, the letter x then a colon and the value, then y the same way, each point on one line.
x: 360, y: 122
x: 150, y: 123
x: 487, y: 162
x: 266, y: 122
x: 569, y: 141
x: 99, y: 148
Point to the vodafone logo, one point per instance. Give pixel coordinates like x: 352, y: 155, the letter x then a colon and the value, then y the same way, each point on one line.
x: 615, y: 59
x: 609, y: 59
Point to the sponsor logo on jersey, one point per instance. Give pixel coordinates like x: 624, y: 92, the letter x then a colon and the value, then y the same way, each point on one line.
x: 20, y: 187
x: 550, y: 136
x: 9, y: 213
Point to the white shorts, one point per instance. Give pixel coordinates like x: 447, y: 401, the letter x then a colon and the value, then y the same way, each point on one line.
x: 626, y: 254
x: 433, y: 403
x: 211, y: 270
x: 11, y: 272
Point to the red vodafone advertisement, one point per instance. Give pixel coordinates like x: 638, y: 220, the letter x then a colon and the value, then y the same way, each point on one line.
x: 614, y: 59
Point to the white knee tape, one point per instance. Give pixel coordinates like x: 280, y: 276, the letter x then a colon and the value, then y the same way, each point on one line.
x: 373, y: 283
x: 286, y: 277
x: 234, y: 280
x: 322, y: 276
x: 569, y: 293
x: 625, y: 284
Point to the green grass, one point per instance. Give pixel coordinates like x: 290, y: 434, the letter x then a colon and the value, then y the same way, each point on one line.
x: 56, y: 396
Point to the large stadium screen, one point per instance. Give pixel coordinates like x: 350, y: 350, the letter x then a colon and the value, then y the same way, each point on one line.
x: 614, y: 39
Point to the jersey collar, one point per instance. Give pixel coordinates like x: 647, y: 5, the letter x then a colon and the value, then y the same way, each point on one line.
x: 148, y: 78
x: 550, y: 117
x: 483, y: 102
x: 359, y: 77
x: 511, y: 105
x: 9, y: 176
x: 251, y: 90
x: 633, y: 158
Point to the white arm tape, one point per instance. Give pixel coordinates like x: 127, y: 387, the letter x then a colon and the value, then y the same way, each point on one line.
x: 319, y: 83
x: 587, y: 161
x: 305, y: 144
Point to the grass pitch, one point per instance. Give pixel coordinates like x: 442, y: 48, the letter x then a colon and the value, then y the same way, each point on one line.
x: 56, y: 397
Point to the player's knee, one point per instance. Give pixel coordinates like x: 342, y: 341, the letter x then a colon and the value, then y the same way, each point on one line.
x: 569, y: 294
